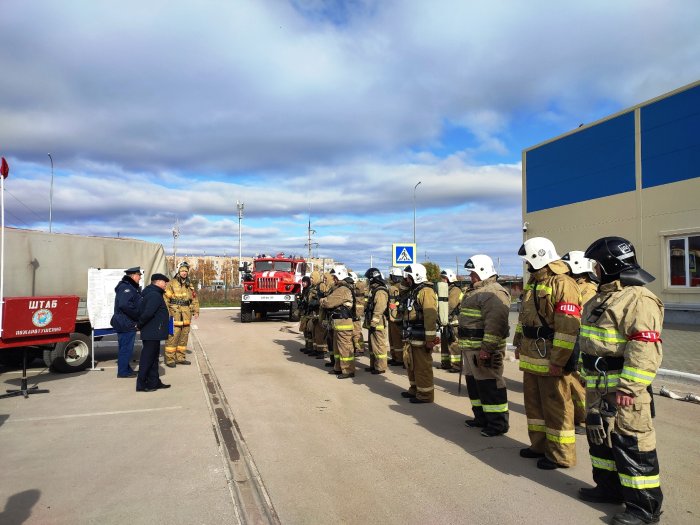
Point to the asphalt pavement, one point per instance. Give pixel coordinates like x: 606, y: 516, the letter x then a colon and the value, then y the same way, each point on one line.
x: 255, y: 422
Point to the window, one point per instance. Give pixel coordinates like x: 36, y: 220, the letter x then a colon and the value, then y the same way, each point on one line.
x: 684, y: 253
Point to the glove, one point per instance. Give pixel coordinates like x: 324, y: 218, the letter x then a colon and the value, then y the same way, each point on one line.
x: 497, y: 360
x: 485, y: 359
x: 594, y: 427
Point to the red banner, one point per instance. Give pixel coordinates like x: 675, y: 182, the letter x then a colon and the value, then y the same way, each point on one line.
x: 4, y: 168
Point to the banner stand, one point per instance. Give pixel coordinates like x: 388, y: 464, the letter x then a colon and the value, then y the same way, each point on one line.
x: 99, y: 333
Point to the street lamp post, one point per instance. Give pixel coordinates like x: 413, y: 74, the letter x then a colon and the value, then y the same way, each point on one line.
x: 51, y: 196
x: 414, y: 211
x: 240, y: 207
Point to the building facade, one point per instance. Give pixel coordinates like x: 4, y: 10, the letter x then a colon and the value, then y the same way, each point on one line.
x: 634, y: 174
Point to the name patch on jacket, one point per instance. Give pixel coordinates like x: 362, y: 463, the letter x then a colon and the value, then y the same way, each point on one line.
x: 646, y: 336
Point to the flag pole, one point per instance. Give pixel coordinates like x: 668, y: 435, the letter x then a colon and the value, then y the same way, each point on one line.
x: 2, y: 246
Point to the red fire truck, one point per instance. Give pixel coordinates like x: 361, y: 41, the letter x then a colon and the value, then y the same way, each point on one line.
x: 272, y: 284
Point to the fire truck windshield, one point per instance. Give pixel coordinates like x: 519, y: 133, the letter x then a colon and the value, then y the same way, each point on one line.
x: 267, y: 266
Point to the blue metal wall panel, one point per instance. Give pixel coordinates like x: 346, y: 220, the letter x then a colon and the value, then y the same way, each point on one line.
x: 594, y: 162
x: 671, y: 139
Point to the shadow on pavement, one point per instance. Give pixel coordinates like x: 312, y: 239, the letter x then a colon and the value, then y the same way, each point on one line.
x: 18, y: 507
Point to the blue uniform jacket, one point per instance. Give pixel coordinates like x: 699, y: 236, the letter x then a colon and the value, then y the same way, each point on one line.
x: 126, y: 305
x: 153, y: 314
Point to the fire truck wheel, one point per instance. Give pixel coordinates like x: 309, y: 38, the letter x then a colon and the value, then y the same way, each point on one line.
x: 246, y: 315
x: 72, y: 356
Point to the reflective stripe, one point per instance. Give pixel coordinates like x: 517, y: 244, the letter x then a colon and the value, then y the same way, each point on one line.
x: 601, y: 334
x: 637, y: 375
x: 519, y: 328
x: 561, y: 436
x: 351, y: 358
x: 603, y: 464
x: 563, y: 343
x: 612, y: 381
x: 496, y: 408
x: 536, y: 428
x: 470, y: 343
x: 547, y: 289
x: 379, y: 328
x: 423, y: 389
x: 470, y: 312
x: 534, y: 365
x: 430, y: 332
x: 343, y: 327
x: 417, y: 342
x: 476, y: 402
x: 380, y: 356
x: 455, y: 358
x: 639, y: 482
x: 490, y: 338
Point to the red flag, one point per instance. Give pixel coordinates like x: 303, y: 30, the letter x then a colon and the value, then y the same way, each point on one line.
x: 4, y: 168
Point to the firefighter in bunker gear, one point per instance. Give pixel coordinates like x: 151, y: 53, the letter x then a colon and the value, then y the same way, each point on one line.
x: 360, y: 289
x: 583, y: 272
x: 450, y: 354
x: 306, y: 319
x: 621, y: 353
x: 544, y: 341
x: 420, y: 326
x: 183, y: 305
x: 483, y: 329
x: 314, y: 326
x: 397, y: 293
x: 376, y: 321
x: 340, y: 308
x: 323, y: 335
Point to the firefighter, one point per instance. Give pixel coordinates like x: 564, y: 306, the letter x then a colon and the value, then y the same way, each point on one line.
x: 340, y: 305
x: 305, y: 322
x: 183, y: 305
x: 360, y: 289
x: 397, y: 290
x: 420, y: 324
x: 621, y: 352
x: 483, y: 328
x: 451, y: 356
x: 325, y: 287
x: 376, y: 321
x: 318, y: 337
x: 582, y: 270
x: 544, y: 341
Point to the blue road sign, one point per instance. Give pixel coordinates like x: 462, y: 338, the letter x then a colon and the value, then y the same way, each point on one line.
x: 403, y: 254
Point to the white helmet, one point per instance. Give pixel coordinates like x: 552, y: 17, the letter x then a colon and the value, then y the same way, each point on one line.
x: 539, y: 252
x: 396, y: 274
x: 353, y: 276
x: 340, y: 272
x: 481, y: 265
x: 449, y: 275
x: 579, y: 264
x: 416, y: 272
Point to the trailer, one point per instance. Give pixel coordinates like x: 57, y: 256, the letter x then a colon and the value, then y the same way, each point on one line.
x: 45, y: 292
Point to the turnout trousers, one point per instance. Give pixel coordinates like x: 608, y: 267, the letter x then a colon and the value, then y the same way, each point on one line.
x: 419, y: 365
x: 176, y: 345
x: 550, y: 417
x: 578, y: 396
x: 378, y: 347
x: 626, y: 465
x: 396, y: 341
x: 343, y: 349
x: 450, y: 353
x: 487, y: 392
x: 319, y: 336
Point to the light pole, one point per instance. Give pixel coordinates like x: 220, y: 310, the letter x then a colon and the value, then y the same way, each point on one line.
x: 176, y: 234
x: 240, y: 207
x: 51, y: 196
x: 414, y: 211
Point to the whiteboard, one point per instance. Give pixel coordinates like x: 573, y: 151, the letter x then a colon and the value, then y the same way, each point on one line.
x: 100, y: 295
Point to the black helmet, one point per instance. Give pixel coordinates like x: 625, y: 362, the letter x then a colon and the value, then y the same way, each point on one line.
x: 306, y: 280
x: 374, y: 275
x: 616, y: 257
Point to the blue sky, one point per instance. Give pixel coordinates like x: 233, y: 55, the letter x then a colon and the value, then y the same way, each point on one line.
x: 161, y: 111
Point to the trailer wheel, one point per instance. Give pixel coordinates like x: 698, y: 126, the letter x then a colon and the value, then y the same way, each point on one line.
x: 72, y: 356
x: 246, y: 315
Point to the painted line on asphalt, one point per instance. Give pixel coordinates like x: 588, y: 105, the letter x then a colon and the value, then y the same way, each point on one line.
x: 92, y: 414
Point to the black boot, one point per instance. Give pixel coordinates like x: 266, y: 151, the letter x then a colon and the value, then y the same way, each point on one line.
x: 627, y: 518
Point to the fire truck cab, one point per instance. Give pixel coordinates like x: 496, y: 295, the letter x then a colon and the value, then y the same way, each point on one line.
x: 272, y: 284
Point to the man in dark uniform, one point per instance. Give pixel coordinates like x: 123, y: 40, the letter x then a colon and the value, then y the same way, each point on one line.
x: 127, y: 296
x: 153, y: 323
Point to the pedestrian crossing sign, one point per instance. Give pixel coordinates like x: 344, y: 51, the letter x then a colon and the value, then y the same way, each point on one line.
x: 403, y: 254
